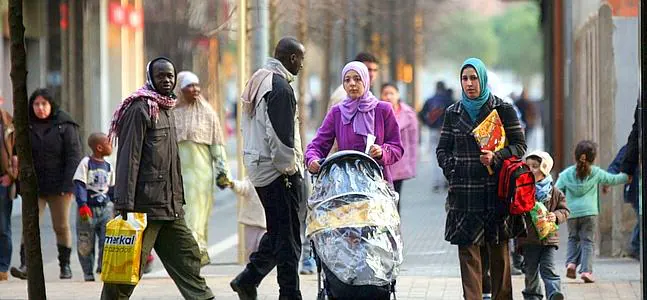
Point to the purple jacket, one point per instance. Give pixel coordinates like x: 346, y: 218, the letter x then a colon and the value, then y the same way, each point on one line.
x: 408, y: 123
x: 387, y: 135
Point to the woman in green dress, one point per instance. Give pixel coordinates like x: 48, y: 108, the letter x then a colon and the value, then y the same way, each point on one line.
x: 202, y: 155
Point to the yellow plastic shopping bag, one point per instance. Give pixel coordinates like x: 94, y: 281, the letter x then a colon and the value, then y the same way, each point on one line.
x: 122, y: 249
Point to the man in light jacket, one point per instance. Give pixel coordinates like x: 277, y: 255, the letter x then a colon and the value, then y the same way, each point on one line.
x: 273, y: 158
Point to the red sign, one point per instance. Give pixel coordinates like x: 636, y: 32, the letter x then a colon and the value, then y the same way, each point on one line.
x: 135, y: 18
x: 117, y: 14
x: 64, y: 12
x: 624, y: 8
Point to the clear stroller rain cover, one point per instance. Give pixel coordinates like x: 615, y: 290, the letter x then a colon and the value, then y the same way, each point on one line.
x: 353, y: 220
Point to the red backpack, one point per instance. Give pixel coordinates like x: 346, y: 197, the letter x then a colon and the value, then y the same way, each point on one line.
x: 516, y: 186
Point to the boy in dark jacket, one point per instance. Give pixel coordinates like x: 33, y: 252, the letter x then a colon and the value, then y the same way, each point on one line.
x: 539, y: 255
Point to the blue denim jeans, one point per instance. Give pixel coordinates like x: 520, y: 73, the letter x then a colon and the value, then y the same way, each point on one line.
x: 635, y: 235
x: 6, y: 206
x: 581, y: 234
x: 540, y: 260
x: 90, y: 235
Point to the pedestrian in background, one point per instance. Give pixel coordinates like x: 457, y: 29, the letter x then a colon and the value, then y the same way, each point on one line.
x: 202, y: 156
x: 580, y: 184
x: 432, y: 115
x: 56, y: 151
x: 94, y: 180
x: 475, y: 217
x: 149, y: 180
x: 8, y: 178
x: 408, y: 123
x: 273, y: 159
x: 539, y: 255
x: 630, y: 195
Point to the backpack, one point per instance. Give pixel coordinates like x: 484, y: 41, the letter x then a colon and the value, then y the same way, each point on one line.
x: 516, y: 186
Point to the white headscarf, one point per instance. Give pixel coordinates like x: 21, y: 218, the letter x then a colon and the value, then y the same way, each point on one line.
x: 195, y: 121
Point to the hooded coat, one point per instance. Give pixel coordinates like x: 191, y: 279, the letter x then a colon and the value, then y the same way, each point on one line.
x: 582, y: 195
x: 56, y: 150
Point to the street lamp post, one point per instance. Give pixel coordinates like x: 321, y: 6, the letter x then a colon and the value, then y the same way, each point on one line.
x: 242, y: 78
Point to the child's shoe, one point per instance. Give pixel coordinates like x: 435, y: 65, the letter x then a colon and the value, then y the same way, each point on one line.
x: 88, y: 277
x: 570, y: 271
x: 148, y: 266
x: 557, y: 296
x: 587, y: 277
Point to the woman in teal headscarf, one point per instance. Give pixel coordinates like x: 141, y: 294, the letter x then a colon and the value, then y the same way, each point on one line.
x: 475, y: 216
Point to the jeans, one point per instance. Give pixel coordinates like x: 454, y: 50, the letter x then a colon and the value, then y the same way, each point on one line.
x: 540, y: 260
x: 6, y: 206
x: 91, y: 234
x: 635, y: 235
x: 280, y: 247
x: 306, y: 247
x: 581, y: 233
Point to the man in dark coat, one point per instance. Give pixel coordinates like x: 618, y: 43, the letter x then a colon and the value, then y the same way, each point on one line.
x: 149, y: 181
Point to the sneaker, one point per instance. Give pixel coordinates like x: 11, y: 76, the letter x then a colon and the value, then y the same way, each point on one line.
x: 557, y: 296
x: 570, y: 271
x: 4, y: 276
x: 515, y: 272
x: 487, y: 296
x: 587, y: 277
x: 148, y: 267
x: 308, y: 266
x: 88, y: 277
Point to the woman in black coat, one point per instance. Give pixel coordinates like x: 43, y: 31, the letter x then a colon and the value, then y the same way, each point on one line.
x: 56, y: 150
x: 475, y: 216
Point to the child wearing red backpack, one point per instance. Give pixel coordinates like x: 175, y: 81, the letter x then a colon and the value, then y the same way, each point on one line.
x: 580, y: 183
x: 539, y: 254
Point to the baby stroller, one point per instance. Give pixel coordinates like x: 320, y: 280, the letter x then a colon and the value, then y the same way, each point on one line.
x: 354, y: 229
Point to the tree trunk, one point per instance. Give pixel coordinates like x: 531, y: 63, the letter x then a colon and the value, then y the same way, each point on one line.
x: 28, y: 183
x: 303, y: 78
x: 324, y: 102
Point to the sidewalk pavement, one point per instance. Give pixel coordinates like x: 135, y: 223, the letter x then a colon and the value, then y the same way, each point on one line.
x: 408, y: 287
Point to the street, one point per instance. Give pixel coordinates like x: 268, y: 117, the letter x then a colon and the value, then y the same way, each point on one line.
x: 430, y: 269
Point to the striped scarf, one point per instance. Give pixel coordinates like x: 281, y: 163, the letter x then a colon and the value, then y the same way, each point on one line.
x: 154, y: 100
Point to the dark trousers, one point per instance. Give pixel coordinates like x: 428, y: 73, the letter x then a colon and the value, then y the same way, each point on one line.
x: 397, y: 186
x: 6, y: 205
x: 472, y: 271
x: 280, y: 247
x: 178, y: 251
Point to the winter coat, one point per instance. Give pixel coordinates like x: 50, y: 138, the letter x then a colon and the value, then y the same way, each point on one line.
x: 557, y: 205
x: 7, y: 150
x: 405, y: 168
x: 387, y: 135
x: 474, y: 213
x: 272, y: 142
x: 148, y: 173
x: 56, y: 152
x: 582, y: 195
x: 631, y: 157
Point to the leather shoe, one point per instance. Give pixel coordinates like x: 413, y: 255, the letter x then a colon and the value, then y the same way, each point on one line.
x: 244, y: 291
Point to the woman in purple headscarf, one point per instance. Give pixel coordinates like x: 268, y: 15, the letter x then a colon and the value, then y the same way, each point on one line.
x: 350, y: 122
